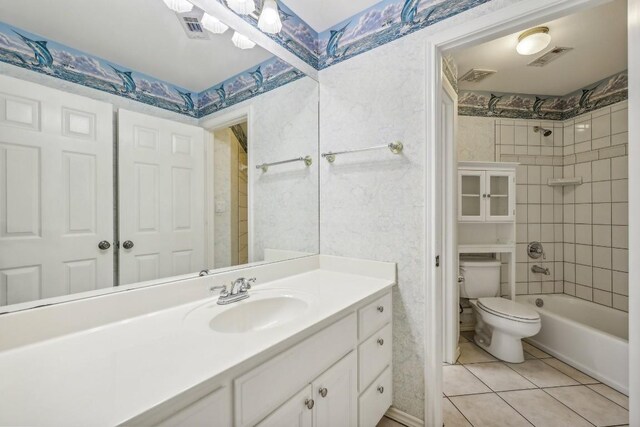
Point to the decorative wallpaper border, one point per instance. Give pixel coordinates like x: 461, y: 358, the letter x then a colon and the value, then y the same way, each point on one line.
x: 269, y: 75
x: 383, y: 23
x: 608, y: 91
x: 380, y: 24
x: 27, y: 50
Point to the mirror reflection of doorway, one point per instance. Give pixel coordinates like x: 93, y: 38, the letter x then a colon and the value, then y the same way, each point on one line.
x: 231, y: 245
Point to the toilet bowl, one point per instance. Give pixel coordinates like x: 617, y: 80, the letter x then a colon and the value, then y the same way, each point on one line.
x: 501, y: 324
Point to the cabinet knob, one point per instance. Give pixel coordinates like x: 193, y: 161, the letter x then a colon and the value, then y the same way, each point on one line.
x: 380, y: 341
x: 380, y: 308
x: 323, y: 392
x: 309, y: 403
x: 128, y: 244
x: 381, y: 389
x: 104, y: 245
x: 484, y: 196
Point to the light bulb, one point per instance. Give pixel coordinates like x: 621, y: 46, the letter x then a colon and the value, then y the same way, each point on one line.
x: 269, y: 21
x: 213, y: 24
x: 533, y: 41
x: 242, y: 42
x: 179, y: 6
x: 242, y: 7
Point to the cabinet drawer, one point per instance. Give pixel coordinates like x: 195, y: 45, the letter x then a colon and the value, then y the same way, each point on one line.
x: 375, y: 401
x: 264, y: 388
x: 373, y: 356
x: 374, y: 316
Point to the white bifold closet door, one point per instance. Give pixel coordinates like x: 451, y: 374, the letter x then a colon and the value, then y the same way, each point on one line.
x: 56, y: 192
x: 161, y: 197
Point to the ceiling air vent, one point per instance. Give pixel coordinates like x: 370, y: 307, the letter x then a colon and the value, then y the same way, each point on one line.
x: 191, y: 23
x: 476, y: 75
x: 550, y: 56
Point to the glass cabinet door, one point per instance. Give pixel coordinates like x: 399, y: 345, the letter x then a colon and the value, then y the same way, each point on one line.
x: 500, y: 196
x: 471, y: 191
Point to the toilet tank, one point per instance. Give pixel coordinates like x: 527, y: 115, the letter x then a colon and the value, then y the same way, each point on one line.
x: 481, y: 278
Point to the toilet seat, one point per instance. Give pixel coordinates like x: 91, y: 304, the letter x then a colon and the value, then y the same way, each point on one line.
x: 508, y: 309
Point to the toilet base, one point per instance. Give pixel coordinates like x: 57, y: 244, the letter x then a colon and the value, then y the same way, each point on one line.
x: 502, y: 346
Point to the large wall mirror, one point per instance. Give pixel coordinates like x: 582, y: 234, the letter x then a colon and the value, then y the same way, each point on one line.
x: 139, y: 145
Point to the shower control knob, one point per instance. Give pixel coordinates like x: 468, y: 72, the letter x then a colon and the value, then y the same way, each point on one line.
x: 104, y: 245
x: 128, y: 244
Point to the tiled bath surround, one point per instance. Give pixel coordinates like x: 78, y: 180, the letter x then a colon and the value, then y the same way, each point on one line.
x: 596, y: 212
x: 584, y: 229
x: 538, y: 206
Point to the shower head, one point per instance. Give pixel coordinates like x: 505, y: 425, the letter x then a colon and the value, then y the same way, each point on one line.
x: 545, y: 132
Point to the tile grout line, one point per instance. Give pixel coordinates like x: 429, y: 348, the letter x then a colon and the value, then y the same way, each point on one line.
x: 459, y: 411
x: 563, y: 404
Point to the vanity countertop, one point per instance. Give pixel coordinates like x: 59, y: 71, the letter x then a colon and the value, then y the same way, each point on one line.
x: 112, y: 373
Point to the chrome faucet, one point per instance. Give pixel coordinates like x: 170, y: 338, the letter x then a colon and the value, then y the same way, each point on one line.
x: 538, y: 269
x: 237, y: 292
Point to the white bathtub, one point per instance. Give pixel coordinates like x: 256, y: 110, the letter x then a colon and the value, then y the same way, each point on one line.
x: 590, y: 337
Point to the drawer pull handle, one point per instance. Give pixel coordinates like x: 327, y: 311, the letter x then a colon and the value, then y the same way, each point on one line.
x: 323, y: 392
x: 380, y: 341
x: 380, y: 308
x: 309, y: 403
x: 381, y: 389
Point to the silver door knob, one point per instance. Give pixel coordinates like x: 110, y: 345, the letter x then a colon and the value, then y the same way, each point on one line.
x: 323, y: 392
x: 128, y: 244
x: 104, y: 245
x: 309, y: 403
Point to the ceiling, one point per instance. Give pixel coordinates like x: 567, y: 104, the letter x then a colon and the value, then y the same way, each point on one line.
x: 324, y: 14
x: 599, y: 39
x: 142, y: 35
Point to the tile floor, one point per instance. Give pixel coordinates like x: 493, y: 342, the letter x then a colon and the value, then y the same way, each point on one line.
x: 543, y: 391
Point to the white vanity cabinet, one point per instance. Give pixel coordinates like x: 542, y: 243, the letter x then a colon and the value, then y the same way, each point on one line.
x: 486, y: 192
x: 330, y: 401
x: 340, y: 376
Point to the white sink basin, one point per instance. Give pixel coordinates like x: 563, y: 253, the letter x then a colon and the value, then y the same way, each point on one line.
x: 259, y: 314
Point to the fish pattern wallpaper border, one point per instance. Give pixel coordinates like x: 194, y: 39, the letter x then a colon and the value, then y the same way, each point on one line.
x: 27, y: 50
x: 608, y: 91
x: 380, y: 24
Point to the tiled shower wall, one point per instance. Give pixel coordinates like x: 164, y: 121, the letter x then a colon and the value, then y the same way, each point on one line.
x: 596, y: 212
x: 584, y: 229
x: 538, y: 206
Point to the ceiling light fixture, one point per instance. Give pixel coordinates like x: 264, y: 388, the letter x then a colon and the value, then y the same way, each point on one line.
x: 179, y: 6
x: 269, y: 21
x: 533, y: 41
x: 243, y: 7
x: 242, y: 42
x: 213, y: 24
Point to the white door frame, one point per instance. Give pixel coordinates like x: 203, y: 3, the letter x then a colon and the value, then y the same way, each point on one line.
x: 505, y: 21
x: 237, y: 115
x: 451, y: 315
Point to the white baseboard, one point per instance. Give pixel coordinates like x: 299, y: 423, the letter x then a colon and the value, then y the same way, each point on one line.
x: 404, y: 418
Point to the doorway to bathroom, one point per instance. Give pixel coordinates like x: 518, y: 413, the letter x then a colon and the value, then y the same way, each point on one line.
x: 539, y: 132
x: 230, y: 198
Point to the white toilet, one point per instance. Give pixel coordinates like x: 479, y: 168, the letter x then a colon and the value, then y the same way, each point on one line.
x: 500, y: 323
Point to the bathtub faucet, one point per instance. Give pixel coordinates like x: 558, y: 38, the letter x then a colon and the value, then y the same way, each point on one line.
x: 538, y: 269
